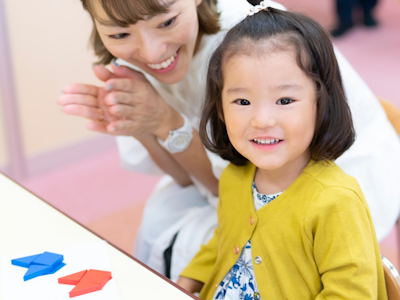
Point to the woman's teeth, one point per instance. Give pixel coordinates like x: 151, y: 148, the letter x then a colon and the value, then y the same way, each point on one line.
x: 164, y: 64
x: 266, y: 141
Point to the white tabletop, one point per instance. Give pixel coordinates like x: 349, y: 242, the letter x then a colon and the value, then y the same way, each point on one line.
x: 27, y: 223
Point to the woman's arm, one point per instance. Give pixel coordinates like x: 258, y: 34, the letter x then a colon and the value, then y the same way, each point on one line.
x: 195, y: 161
x: 133, y: 108
x: 141, y: 110
x: 164, y: 160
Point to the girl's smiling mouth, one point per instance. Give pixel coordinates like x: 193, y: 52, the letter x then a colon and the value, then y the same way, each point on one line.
x: 270, y: 141
x: 167, y: 65
x: 266, y: 144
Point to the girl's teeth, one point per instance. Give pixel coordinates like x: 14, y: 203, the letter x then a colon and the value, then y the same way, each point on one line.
x: 164, y: 64
x: 266, y: 141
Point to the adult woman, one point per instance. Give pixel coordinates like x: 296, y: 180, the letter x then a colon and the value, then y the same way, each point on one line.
x: 169, y: 43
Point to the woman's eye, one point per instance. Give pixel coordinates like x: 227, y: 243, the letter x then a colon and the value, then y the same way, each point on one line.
x: 119, y: 36
x: 284, y: 101
x: 168, y: 23
x: 242, y: 102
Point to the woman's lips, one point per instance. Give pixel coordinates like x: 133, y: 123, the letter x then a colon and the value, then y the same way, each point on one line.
x: 166, y: 66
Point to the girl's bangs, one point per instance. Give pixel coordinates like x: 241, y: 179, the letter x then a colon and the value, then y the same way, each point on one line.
x: 123, y: 13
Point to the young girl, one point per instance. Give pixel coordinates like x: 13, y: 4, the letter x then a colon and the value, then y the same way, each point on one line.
x: 292, y: 224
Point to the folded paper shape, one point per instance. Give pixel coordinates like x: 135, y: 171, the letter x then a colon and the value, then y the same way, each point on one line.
x: 40, y: 264
x: 86, y: 281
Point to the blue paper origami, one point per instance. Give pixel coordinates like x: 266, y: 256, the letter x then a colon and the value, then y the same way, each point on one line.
x: 40, y: 264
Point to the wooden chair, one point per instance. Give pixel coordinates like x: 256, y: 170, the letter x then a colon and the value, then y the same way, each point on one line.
x: 393, y: 114
x: 392, y: 279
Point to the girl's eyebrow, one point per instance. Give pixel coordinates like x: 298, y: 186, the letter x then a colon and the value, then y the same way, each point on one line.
x: 235, y: 90
x: 285, y: 87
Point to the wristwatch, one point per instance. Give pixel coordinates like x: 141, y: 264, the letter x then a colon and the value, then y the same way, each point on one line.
x: 178, y: 140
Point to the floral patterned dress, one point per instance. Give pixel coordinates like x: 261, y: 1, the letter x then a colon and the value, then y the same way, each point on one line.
x: 240, y: 282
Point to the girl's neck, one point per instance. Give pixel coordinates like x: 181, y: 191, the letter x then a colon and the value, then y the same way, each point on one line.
x: 278, y: 180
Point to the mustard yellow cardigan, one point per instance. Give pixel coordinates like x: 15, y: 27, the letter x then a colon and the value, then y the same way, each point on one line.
x: 315, y: 241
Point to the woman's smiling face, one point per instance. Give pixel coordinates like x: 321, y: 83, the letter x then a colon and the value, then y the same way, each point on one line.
x: 162, y: 45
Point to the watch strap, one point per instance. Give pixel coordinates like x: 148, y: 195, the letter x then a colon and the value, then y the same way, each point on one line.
x: 178, y: 140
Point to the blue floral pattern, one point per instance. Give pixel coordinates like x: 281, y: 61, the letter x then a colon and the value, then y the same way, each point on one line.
x: 261, y: 200
x: 240, y: 282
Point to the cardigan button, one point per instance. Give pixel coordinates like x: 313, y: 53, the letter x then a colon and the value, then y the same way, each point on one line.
x: 257, y: 260
x: 251, y: 221
x: 236, y: 250
x: 216, y: 285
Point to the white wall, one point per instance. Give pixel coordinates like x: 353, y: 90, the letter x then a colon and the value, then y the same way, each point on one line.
x: 49, y: 47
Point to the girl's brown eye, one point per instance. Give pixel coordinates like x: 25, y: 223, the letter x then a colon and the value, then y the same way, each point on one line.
x: 284, y: 101
x: 243, y: 102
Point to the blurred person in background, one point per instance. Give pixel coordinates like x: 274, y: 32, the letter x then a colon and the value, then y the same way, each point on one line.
x: 345, y: 10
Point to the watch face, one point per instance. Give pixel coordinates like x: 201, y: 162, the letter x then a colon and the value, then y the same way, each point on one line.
x: 179, y: 141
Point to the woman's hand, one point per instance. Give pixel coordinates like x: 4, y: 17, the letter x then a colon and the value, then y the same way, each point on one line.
x: 126, y: 105
x: 190, y: 285
x: 139, y: 107
x: 87, y: 100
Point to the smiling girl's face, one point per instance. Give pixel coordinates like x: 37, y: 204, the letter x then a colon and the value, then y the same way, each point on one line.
x: 269, y: 108
x: 162, y: 45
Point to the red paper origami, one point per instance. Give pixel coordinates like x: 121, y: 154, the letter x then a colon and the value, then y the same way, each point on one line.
x: 86, y: 281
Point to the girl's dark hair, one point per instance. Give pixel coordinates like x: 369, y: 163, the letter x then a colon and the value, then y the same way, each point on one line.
x: 277, y: 30
x: 126, y: 12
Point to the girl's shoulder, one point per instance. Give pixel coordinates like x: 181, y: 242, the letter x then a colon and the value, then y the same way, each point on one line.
x: 324, y: 174
x: 328, y: 174
x: 328, y: 186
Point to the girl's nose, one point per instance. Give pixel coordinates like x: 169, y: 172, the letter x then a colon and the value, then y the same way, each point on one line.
x: 263, y: 118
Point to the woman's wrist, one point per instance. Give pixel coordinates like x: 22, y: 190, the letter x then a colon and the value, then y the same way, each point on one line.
x: 171, y: 121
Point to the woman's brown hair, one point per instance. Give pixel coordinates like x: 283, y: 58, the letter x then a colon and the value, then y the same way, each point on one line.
x: 126, y: 12
x: 277, y: 30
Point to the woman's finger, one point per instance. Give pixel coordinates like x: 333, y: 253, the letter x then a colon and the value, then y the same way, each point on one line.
x: 124, y: 85
x: 103, y: 73
x: 84, y: 111
x: 100, y: 127
x: 122, y: 127
x: 80, y: 88
x: 125, y: 72
x: 118, y: 97
x: 83, y: 99
x: 122, y: 111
